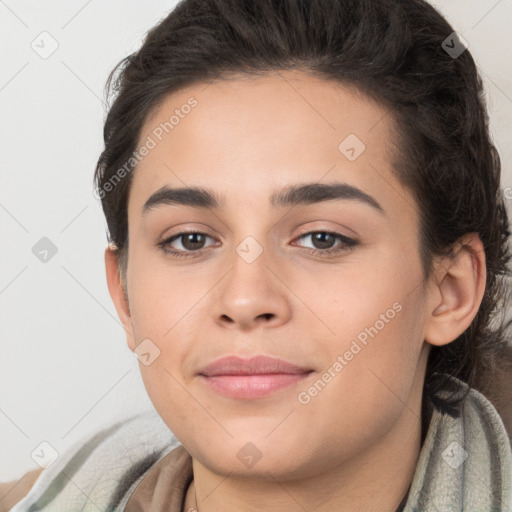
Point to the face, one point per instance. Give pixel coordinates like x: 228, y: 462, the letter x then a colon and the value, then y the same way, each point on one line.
x: 329, y: 281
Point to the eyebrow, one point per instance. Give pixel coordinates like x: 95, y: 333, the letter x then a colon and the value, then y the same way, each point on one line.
x: 292, y: 195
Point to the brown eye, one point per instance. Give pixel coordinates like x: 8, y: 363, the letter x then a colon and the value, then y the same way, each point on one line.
x: 324, y: 242
x: 190, y: 242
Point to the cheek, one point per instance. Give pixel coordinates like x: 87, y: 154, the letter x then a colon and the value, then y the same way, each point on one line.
x: 164, y: 310
x: 375, y: 339
x: 172, y: 400
x: 160, y: 299
x: 363, y: 300
x: 366, y: 384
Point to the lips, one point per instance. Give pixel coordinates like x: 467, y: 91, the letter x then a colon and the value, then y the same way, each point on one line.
x: 233, y: 365
x: 257, y: 377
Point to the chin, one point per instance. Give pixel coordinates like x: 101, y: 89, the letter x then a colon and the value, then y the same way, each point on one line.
x: 242, y: 458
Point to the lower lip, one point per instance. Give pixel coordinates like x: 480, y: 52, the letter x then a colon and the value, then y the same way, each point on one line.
x: 252, y: 386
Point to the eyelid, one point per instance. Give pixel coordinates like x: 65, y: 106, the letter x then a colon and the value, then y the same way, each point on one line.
x: 346, y: 242
x: 179, y: 234
x: 323, y: 228
x: 183, y: 231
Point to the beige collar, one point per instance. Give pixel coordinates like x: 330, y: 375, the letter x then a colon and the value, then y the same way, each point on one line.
x: 164, y: 488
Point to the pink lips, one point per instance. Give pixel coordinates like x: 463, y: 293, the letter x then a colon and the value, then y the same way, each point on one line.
x: 251, y: 378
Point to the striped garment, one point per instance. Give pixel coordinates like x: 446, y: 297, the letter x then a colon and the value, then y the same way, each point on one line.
x: 465, y: 464
x: 99, y: 473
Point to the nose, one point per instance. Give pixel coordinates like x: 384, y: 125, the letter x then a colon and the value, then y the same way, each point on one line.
x: 252, y: 295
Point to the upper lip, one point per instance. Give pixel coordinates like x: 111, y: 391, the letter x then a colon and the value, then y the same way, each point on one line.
x: 235, y: 365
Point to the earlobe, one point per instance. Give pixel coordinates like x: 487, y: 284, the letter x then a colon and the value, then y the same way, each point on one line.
x: 459, y: 290
x: 117, y: 294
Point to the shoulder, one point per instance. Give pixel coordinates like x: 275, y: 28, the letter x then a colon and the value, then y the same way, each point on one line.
x: 13, y: 491
x: 499, y: 390
x: 99, y: 470
x: 466, y: 457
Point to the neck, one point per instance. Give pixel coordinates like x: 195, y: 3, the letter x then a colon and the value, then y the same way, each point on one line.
x: 361, y: 484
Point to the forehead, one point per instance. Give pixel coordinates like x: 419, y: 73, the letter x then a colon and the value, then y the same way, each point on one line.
x: 256, y: 134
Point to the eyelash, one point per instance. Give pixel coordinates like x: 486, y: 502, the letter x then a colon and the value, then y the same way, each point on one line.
x: 348, y: 245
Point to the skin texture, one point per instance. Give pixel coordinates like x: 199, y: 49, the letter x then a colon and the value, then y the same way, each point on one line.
x: 13, y: 491
x: 245, y: 139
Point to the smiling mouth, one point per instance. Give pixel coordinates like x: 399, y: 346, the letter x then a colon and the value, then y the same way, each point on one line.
x: 256, y: 377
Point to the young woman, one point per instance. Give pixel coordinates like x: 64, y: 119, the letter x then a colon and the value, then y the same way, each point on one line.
x: 308, y: 252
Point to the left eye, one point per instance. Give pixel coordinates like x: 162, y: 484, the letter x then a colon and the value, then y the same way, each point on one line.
x: 324, y: 238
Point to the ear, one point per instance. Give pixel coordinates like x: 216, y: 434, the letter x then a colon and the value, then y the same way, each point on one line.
x: 457, y: 291
x: 117, y: 294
